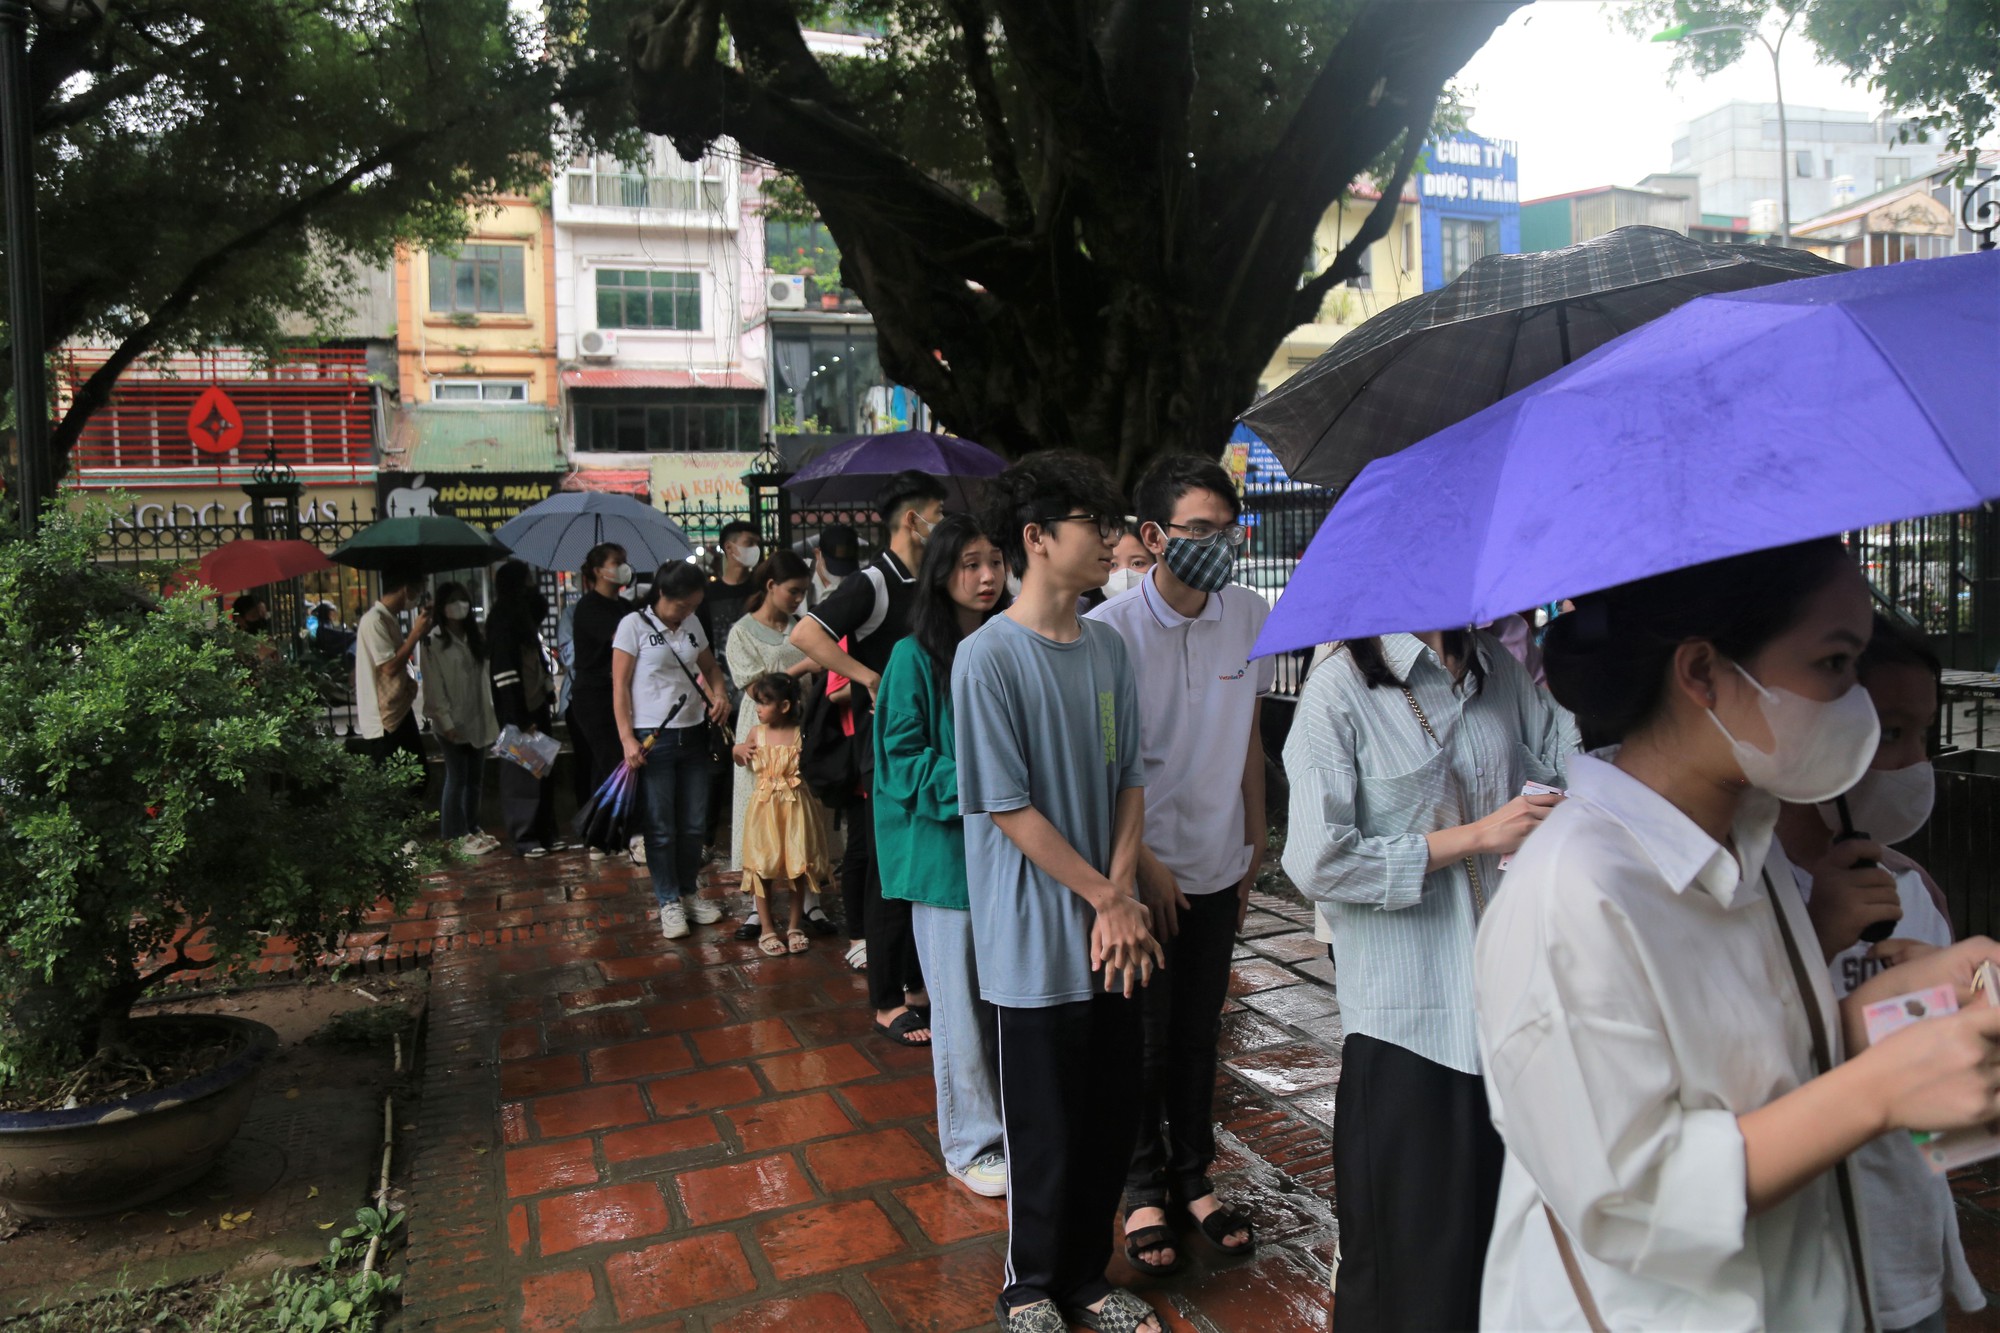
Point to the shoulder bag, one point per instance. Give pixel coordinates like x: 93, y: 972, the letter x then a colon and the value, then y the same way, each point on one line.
x: 720, y: 739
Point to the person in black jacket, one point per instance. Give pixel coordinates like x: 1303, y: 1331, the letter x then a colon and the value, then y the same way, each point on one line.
x: 593, y: 730
x: 522, y: 695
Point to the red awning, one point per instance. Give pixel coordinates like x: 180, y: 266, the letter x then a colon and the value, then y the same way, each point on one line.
x: 612, y: 480
x: 659, y: 379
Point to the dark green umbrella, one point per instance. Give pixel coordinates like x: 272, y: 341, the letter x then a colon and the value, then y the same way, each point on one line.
x: 429, y: 545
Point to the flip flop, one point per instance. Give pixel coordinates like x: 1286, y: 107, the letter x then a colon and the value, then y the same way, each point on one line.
x: 1120, y: 1312
x: 1041, y: 1317
x: 796, y: 942
x: 771, y: 946
x: 898, y: 1029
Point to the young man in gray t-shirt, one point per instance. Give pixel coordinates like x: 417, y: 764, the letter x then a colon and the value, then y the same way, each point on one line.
x: 1050, y: 781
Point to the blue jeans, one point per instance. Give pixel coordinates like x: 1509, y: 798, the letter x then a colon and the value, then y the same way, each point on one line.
x: 963, y: 1038
x: 674, y: 790
x: 464, y: 787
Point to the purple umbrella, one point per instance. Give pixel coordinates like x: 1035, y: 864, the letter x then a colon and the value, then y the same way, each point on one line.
x: 1737, y: 422
x: 851, y: 473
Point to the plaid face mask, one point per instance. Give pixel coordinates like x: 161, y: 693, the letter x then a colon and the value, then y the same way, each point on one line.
x: 1204, y: 563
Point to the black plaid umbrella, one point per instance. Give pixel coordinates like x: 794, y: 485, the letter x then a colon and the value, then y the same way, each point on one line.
x: 1504, y: 323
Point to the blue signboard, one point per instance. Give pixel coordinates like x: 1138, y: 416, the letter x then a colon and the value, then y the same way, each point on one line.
x: 1469, y: 197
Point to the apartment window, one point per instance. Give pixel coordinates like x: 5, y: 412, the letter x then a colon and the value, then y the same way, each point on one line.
x: 1891, y: 171
x: 668, y: 422
x: 663, y: 179
x: 1409, y: 246
x: 1467, y: 239
x: 479, y: 391
x: 1802, y: 164
x: 641, y: 299
x: 480, y: 279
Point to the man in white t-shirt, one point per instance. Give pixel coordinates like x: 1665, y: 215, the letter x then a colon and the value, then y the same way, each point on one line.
x: 385, y: 690
x: 1189, y: 632
x: 665, y: 683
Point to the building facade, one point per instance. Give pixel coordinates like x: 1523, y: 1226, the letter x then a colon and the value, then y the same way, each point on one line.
x: 1468, y: 187
x: 1836, y: 157
x: 1391, y: 271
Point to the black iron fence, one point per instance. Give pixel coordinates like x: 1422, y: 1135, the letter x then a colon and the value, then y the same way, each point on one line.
x: 1940, y: 574
x: 1960, y: 846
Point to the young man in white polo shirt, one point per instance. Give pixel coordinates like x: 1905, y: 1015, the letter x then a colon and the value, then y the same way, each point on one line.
x: 1189, y: 633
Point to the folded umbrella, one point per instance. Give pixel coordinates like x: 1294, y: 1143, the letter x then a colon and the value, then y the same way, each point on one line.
x: 852, y: 473
x: 1504, y: 323
x: 558, y: 532
x: 602, y: 820
x: 1737, y: 422
x: 252, y: 563
x: 431, y: 544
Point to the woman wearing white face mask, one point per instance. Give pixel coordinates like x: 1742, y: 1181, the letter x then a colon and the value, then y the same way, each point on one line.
x: 458, y: 703
x: 1677, y: 1088
x: 1912, y: 1224
x: 593, y: 730
x: 1129, y: 562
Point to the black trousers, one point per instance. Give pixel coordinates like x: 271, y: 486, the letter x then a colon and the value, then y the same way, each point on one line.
x: 856, y: 856
x: 893, y: 965
x: 405, y: 739
x: 1182, y: 1016
x: 1416, y: 1166
x: 593, y: 736
x: 1069, y: 1102
x: 528, y: 803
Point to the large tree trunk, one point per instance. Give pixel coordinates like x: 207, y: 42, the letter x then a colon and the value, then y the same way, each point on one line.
x: 1116, y: 300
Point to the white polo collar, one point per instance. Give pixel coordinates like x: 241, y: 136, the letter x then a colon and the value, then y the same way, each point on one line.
x: 1166, y: 616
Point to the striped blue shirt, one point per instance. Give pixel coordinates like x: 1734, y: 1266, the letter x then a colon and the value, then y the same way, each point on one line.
x: 1367, y: 785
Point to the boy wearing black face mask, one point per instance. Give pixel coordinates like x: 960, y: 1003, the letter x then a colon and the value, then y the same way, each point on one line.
x: 1915, y: 1254
x: 1189, y: 633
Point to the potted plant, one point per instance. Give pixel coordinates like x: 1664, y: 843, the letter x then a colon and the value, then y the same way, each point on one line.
x: 158, y: 784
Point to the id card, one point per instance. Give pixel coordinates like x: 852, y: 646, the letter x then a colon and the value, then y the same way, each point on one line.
x: 1532, y: 789
x: 1945, y: 1150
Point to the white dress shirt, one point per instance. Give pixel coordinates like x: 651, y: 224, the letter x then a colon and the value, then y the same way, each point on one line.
x: 1634, y: 999
x: 1368, y: 785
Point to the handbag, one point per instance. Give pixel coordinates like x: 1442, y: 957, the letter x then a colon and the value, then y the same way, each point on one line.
x: 720, y: 739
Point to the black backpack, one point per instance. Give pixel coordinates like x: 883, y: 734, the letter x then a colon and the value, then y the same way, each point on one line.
x: 830, y: 761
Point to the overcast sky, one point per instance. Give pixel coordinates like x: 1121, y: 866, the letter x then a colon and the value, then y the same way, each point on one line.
x: 1590, y: 104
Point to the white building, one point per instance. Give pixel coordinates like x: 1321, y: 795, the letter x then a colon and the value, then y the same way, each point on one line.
x: 1836, y: 157
x: 659, y: 309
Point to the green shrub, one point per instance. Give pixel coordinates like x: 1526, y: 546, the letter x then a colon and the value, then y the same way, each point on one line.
x: 156, y: 779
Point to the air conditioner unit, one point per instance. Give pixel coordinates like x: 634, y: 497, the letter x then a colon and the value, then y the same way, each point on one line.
x: 597, y: 345
x: 786, y: 291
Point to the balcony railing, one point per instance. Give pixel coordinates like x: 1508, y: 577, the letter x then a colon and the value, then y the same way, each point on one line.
x: 623, y: 190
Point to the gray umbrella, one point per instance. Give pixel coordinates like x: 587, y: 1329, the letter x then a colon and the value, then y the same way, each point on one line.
x: 1504, y: 323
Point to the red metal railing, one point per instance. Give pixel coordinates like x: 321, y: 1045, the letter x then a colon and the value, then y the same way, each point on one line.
x: 315, y: 405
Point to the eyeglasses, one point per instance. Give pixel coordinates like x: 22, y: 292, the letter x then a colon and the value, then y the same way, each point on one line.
x: 1233, y: 535
x: 1111, y: 529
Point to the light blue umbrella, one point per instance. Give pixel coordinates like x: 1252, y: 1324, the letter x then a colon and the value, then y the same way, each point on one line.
x: 558, y: 532
x: 1735, y: 423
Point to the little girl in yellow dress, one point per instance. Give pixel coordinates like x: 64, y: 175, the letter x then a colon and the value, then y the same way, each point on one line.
x: 784, y: 830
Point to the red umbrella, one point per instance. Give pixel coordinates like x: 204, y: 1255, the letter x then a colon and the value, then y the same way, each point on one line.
x: 252, y: 564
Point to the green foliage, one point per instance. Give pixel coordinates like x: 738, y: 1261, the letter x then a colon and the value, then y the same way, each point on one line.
x: 369, y: 1025
x: 1935, y: 60
x: 327, y: 1297
x: 156, y: 778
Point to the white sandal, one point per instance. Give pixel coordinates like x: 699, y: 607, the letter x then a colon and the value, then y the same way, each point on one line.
x: 857, y: 955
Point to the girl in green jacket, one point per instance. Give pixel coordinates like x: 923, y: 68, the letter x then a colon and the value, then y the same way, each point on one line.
x: 920, y: 839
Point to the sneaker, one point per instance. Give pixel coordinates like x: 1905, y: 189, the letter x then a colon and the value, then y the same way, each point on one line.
x: 986, y: 1177
x: 487, y: 843
x: 700, y: 910
x: 637, y: 850
x: 470, y: 846
x: 535, y: 852
x: 598, y: 853
x: 673, y: 921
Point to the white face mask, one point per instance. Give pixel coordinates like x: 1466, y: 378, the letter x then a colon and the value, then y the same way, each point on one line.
x: 620, y: 574
x: 457, y: 610
x: 748, y: 556
x: 625, y: 592
x: 1821, y: 749
x: 1123, y: 580
x: 1888, y: 805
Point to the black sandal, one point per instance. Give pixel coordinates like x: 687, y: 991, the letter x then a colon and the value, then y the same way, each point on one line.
x: 1121, y: 1312
x: 1220, y: 1224
x: 1154, y: 1238
x: 898, y: 1029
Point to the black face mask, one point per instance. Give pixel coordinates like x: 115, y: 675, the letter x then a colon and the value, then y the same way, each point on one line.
x: 256, y: 626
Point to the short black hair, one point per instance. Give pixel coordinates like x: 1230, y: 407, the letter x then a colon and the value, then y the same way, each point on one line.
x: 396, y: 578
x: 1897, y: 643
x: 734, y: 526
x: 907, y: 490
x: 677, y: 579
x: 1041, y: 486
x: 1171, y: 476
x: 248, y: 602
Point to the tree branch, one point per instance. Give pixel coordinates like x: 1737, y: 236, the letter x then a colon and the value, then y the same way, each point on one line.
x: 1373, y: 228
x: 1020, y: 211
x: 92, y: 101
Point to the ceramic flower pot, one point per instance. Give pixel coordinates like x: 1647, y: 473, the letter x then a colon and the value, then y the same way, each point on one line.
x: 113, y: 1156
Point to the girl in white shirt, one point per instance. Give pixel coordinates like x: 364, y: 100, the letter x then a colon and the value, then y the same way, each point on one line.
x: 1915, y: 1255
x: 1664, y: 1058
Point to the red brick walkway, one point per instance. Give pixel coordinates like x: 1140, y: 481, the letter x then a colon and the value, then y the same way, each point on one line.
x: 622, y: 1132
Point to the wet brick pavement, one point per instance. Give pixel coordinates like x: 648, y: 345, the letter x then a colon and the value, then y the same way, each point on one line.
x: 619, y: 1131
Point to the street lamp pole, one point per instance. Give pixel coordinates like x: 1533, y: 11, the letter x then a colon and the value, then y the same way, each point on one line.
x: 24, y: 268
x: 1681, y: 31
